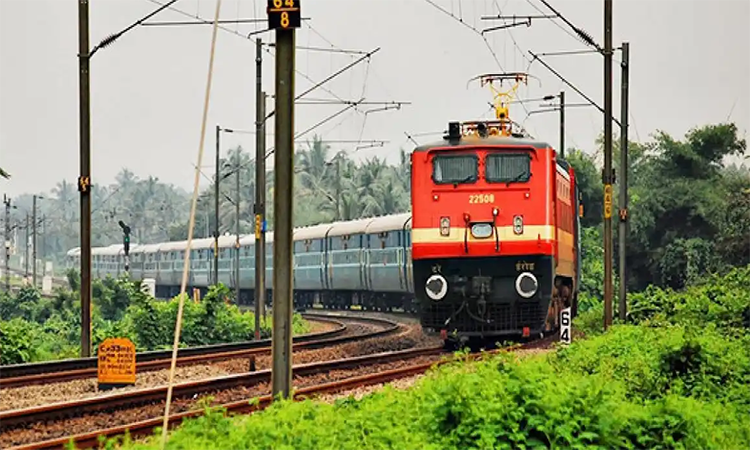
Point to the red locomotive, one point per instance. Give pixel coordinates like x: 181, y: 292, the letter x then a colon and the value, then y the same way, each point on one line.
x: 495, y: 231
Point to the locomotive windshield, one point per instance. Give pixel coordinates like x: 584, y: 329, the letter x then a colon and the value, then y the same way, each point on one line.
x: 508, y: 168
x: 454, y: 169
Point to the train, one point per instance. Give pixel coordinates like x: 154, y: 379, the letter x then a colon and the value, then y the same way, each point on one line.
x: 490, y: 250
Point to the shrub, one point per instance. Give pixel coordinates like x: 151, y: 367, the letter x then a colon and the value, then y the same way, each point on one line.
x: 577, y: 399
x: 677, y: 376
x: 51, y: 328
x: 17, y: 341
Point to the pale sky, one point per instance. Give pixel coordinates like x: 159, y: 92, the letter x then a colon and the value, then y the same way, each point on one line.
x: 690, y: 66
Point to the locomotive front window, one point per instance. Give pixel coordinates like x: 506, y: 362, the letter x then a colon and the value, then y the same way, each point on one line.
x: 454, y: 169
x: 508, y: 168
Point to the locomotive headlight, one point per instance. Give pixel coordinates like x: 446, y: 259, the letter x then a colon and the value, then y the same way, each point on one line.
x: 436, y: 287
x: 445, y: 226
x: 481, y: 230
x: 518, y: 224
x: 526, y: 285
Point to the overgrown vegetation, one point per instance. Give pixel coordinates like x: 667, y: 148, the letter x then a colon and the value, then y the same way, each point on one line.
x: 35, y: 328
x: 679, y: 378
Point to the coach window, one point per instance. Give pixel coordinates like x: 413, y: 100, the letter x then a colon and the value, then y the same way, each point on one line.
x: 454, y: 169
x: 508, y: 168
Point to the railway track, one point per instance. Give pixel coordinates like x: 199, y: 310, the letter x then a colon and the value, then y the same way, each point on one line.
x: 231, y: 392
x: 72, y: 369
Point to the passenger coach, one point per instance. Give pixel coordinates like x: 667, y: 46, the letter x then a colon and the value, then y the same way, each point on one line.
x: 363, y: 262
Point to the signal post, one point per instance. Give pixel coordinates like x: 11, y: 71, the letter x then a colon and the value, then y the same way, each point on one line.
x: 283, y: 16
x: 125, y: 243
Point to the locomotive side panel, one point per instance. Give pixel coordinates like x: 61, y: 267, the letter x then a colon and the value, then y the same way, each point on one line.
x: 565, y: 216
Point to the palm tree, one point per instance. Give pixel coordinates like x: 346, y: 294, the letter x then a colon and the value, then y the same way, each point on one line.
x: 312, y: 162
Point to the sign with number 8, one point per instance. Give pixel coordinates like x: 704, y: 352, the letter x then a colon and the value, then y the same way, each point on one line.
x: 284, y: 14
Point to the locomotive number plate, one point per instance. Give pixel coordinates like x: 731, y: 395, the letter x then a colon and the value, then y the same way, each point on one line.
x: 482, y: 198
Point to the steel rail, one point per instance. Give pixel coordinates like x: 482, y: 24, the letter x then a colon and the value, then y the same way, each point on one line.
x: 72, y: 369
x: 145, y: 428
x: 25, y: 416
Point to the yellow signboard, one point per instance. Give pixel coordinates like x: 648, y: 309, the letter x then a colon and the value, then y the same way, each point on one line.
x: 607, y: 201
x: 116, y: 363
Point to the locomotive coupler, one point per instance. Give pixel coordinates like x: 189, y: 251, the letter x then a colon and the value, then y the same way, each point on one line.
x: 481, y: 306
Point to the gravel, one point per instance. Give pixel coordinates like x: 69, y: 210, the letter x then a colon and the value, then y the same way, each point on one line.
x: 358, y: 393
x: 74, y: 425
x: 34, y: 395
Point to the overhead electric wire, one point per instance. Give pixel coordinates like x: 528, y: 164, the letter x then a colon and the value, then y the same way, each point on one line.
x: 553, y: 21
x: 267, y: 50
x: 330, y: 101
x: 578, y: 91
x: 326, y: 50
x: 318, y: 85
x: 518, y: 47
x: 568, y: 52
x: 200, y: 22
x: 337, y: 73
x: 513, y: 39
x: 461, y: 21
x: 580, y: 34
x: 113, y: 37
x: 324, y: 121
x: 226, y: 29
x: 305, y: 76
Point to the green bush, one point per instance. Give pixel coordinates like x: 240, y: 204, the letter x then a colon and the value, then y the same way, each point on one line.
x: 677, y: 376
x: 50, y: 328
x: 654, y: 362
x: 17, y: 341
x: 631, y: 388
x: 721, y: 300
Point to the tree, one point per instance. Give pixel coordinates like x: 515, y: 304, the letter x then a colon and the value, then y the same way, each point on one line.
x: 683, y: 202
x: 589, y: 184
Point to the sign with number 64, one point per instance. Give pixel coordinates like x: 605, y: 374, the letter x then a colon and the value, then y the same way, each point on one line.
x: 565, y: 329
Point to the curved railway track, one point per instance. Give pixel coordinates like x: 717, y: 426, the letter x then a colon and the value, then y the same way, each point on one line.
x: 337, y: 375
x: 71, y: 369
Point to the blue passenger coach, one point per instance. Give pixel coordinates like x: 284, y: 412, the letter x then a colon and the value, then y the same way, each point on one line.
x: 363, y: 262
